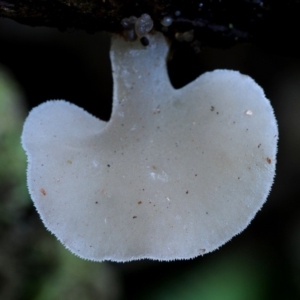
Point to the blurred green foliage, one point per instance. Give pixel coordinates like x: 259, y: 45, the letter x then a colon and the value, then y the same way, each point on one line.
x: 33, y: 265
x: 12, y: 158
x: 230, y: 277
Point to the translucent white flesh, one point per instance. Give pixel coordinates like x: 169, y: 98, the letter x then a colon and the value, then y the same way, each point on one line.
x: 174, y: 174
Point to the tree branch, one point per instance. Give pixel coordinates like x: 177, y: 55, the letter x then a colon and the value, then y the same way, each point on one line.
x: 214, y: 23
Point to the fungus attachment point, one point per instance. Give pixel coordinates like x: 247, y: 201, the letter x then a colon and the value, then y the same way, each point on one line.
x: 174, y: 174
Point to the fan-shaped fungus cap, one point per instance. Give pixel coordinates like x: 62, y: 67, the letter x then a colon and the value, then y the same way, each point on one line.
x: 174, y: 174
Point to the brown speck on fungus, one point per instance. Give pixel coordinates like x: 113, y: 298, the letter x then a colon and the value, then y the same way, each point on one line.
x: 43, y: 191
x: 268, y: 159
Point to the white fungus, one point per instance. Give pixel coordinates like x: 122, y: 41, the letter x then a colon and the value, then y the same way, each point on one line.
x: 137, y: 27
x: 174, y: 174
x: 129, y: 28
x: 188, y: 36
x: 143, y: 25
x: 166, y: 21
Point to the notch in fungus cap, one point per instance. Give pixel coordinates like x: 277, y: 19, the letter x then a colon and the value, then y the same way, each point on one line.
x: 174, y: 174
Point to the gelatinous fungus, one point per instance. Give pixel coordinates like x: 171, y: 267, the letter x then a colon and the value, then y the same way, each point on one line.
x: 174, y: 174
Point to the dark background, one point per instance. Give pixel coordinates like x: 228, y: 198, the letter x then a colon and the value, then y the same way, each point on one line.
x: 261, y: 263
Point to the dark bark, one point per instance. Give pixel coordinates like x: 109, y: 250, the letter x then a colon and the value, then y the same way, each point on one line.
x: 215, y: 23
